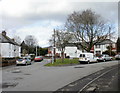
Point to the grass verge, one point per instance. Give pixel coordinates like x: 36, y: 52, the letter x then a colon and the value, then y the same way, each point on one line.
x: 66, y: 62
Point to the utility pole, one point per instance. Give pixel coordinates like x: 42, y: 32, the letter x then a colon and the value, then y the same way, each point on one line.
x: 54, y: 48
x: 110, y: 45
x: 36, y: 50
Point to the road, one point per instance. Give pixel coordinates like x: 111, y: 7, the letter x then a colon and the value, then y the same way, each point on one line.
x: 37, y: 77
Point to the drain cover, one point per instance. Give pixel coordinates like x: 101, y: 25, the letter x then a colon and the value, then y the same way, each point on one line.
x: 8, y: 84
x: 78, y: 67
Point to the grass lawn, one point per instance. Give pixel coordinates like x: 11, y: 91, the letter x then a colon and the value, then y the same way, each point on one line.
x: 66, y: 61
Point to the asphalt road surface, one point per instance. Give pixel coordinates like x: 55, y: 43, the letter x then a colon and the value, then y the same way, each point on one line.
x: 37, y: 77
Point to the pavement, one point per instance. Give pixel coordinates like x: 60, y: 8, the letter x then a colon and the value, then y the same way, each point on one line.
x: 37, y: 77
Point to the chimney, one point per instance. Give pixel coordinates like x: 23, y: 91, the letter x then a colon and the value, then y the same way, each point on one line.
x: 13, y: 39
x: 4, y: 33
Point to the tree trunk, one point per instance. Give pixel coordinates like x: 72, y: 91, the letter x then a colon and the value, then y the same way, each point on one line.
x: 62, y: 55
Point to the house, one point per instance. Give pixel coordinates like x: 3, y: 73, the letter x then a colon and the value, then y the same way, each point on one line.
x: 71, y: 50
x: 24, y: 49
x: 8, y: 47
x: 101, y: 47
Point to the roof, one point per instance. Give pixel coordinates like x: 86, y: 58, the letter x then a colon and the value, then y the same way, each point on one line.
x: 107, y: 41
x: 6, y: 39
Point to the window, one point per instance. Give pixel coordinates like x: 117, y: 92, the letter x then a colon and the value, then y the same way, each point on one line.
x: 98, y: 52
x: 97, y: 46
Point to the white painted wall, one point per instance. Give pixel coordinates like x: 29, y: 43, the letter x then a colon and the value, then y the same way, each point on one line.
x: 72, y: 52
x: 102, y: 48
x: 7, y: 50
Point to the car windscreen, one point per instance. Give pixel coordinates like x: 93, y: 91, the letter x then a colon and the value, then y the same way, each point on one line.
x: 100, y: 56
x: 20, y: 59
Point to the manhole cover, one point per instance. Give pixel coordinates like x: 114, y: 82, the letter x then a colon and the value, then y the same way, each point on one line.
x: 8, y: 84
x: 18, y: 78
x: 27, y: 74
x: 16, y: 68
x: 16, y: 71
x: 78, y: 67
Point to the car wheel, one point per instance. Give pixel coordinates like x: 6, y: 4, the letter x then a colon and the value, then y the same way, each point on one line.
x: 26, y: 63
x: 104, y: 60
x: 88, y: 62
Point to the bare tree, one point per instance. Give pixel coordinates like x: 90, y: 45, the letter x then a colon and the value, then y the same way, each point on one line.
x: 30, y: 40
x: 88, y: 28
x: 62, y: 38
x: 17, y: 39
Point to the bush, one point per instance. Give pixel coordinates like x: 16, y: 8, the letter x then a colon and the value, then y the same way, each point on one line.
x: 108, y: 52
x: 8, y: 61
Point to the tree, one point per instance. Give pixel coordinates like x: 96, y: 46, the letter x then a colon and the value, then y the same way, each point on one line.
x: 62, y: 38
x: 109, y: 51
x: 31, y: 42
x: 118, y: 45
x: 17, y: 39
x: 88, y: 28
x: 42, y: 51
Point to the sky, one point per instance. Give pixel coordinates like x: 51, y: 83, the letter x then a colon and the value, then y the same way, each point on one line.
x: 40, y: 17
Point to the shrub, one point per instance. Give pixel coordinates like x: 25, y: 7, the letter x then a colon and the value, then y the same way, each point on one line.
x: 108, y: 52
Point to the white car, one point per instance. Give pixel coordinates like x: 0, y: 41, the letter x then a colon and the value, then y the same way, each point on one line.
x: 23, y: 61
x: 87, y: 58
x: 117, y: 57
x: 104, y: 58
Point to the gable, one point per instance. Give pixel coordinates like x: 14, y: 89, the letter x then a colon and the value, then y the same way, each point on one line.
x: 107, y: 41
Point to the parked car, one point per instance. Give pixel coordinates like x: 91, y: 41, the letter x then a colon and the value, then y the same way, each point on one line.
x: 117, y: 57
x: 38, y: 58
x: 23, y: 61
x: 87, y: 58
x: 104, y: 58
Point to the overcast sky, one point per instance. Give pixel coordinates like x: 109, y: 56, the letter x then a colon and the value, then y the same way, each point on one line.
x: 40, y: 17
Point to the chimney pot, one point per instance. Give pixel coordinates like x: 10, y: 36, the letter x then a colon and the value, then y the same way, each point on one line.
x: 4, y: 33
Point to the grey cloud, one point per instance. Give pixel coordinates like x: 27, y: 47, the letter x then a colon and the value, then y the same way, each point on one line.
x: 107, y: 9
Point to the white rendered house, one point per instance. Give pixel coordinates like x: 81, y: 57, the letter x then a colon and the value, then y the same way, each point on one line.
x: 8, y: 47
x: 70, y: 50
x: 101, y: 47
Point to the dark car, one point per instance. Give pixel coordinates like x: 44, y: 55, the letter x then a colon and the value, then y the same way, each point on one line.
x: 38, y: 58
